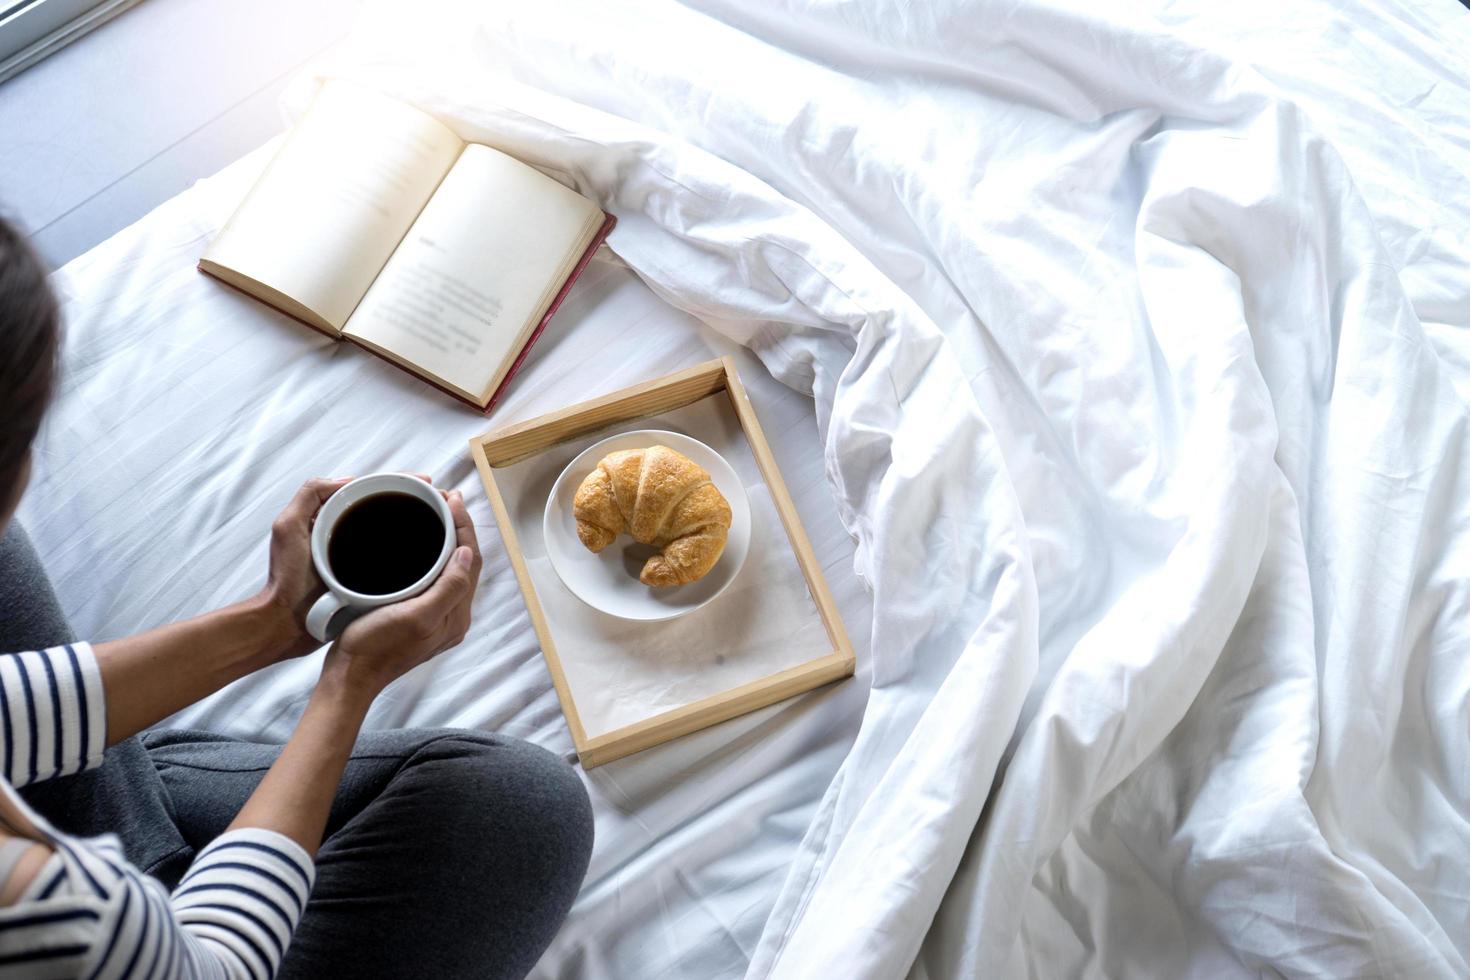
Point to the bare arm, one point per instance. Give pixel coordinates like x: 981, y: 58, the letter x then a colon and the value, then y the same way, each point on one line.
x: 25, y: 869
x: 150, y: 676
x: 296, y: 794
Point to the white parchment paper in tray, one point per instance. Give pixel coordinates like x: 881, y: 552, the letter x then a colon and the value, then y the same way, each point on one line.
x: 623, y: 672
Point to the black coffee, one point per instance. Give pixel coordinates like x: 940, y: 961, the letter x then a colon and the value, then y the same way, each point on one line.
x: 385, y: 543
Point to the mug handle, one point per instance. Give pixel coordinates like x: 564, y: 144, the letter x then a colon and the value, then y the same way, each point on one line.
x: 319, y: 619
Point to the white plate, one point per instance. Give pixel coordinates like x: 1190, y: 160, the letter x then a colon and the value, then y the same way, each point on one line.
x: 608, y: 581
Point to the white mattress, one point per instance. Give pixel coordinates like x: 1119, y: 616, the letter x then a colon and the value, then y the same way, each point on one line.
x: 1137, y: 345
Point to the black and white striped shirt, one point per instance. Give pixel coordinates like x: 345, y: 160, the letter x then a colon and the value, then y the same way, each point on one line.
x: 88, y: 913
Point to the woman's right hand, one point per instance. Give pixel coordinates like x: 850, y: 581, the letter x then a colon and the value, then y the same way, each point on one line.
x: 378, y: 648
x: 295, y: 797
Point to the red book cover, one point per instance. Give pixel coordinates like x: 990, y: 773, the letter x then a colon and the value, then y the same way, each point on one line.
x: 566, y: 287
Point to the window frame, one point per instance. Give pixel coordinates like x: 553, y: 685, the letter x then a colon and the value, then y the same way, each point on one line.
x: 32, y: 29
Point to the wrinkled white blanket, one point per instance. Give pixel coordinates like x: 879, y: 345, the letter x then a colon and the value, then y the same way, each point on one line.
x: 1137, y: 339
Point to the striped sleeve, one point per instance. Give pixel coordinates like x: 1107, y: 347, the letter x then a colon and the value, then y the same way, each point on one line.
x: 53, y: 715
x: 50, y: 937
x: 231, y: 917
x: 242, y: 898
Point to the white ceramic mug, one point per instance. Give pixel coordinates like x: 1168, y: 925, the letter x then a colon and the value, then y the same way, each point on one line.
x: 338, y: 596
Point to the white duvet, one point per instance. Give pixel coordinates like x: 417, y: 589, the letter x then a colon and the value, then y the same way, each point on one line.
x: 1138, y: 339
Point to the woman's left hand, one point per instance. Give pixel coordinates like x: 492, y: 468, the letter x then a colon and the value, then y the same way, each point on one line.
x: 154, y: 674
x: 293, y: 584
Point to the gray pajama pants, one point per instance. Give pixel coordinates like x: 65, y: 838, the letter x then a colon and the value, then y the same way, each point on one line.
x: 448, y: 853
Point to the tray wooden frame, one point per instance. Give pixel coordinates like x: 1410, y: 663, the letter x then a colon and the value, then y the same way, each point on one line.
x: 513, y: 443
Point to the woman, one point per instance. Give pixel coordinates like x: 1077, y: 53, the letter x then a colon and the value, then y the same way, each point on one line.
x: 398, y: 854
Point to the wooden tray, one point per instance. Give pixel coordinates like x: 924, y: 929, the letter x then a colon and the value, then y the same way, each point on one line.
x: 504, y: 447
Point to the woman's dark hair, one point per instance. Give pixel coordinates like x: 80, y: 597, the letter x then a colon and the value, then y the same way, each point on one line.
x: 29, y: 338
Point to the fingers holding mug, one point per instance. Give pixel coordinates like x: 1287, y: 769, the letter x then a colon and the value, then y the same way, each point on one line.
x: 453, y: 589
x: 386, y: 539
x: 308, y: 499
x: 464, y: 530
x: 447, y: 603
x: 292, y: 582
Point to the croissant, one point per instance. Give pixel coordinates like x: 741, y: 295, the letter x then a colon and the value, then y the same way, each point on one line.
x: 664, y: 499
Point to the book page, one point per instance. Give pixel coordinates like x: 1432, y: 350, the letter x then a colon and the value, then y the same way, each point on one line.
x: 476, y: 272
x: 334, y: 203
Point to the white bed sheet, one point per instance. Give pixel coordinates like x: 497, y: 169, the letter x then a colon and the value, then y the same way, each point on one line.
x: 1138, y: 342
x: 188, y: 416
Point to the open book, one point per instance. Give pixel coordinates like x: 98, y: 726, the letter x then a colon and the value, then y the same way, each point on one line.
x: 375, y: 223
